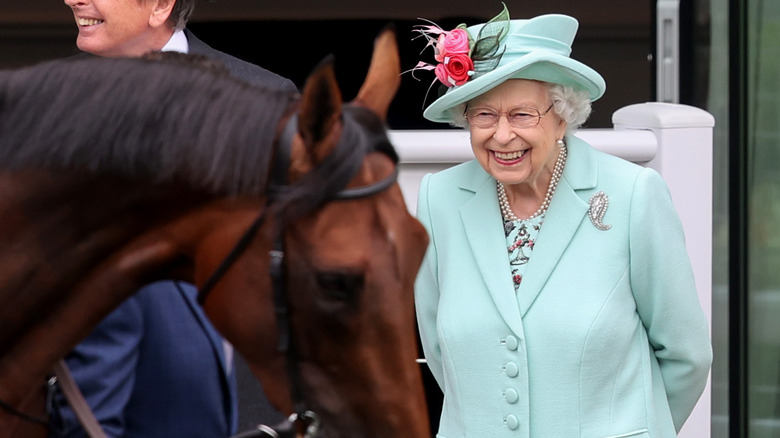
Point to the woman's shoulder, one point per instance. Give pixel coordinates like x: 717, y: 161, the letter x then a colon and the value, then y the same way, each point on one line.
x: 458, y: 174
x: 453, y: 183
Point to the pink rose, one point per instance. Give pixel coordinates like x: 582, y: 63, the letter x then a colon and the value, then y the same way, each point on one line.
x: 456, y: 67
x: 452, y: 42
x: 441, y: 74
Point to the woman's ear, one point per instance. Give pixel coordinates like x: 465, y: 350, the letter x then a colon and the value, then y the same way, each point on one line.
x: 560, y: 130
x: 161, y: 11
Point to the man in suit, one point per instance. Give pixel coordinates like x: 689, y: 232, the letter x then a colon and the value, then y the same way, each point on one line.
x: 155, y: 367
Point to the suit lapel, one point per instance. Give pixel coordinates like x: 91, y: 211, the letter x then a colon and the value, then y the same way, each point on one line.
x: 485, y: 234
x: 229, y: 401
x: 214, y: 338
x: 564, y: 216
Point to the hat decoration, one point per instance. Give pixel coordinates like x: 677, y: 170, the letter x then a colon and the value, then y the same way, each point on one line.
x: 460, y: 57
x: 472, y: 60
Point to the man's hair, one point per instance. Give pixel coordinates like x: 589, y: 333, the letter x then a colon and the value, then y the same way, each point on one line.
x: 181, y: 12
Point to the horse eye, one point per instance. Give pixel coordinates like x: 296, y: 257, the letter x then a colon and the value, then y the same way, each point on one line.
x: 339, y: 285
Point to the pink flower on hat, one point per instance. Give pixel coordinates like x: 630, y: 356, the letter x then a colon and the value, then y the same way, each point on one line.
x: 456, y: 69
x: 459, y: 56
x: 455, y: 41
x: 452, y: 51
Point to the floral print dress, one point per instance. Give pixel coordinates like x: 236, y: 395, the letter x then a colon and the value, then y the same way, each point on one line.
x: 520, y: 239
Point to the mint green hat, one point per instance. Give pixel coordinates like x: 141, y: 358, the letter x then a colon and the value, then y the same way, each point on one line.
x: 538, y: 49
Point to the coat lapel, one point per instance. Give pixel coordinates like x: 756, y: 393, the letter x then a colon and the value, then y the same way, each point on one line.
x: 485, y: 233
x: 190, y: 296
x: 230, y: 403
x: 564, y: 216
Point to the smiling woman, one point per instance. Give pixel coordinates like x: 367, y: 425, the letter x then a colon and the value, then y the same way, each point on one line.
x: 574, y: 326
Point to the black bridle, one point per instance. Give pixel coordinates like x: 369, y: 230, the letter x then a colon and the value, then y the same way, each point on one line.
x: 301, y: 415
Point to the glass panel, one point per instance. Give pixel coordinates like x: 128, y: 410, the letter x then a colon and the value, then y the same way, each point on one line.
x: 711, y: 52
x: 704, y: 83
x: 763, y: 132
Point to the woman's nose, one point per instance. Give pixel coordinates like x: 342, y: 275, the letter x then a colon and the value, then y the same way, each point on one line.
x: 504, y: 132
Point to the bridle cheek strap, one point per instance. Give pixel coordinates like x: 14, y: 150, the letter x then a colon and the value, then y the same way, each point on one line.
x: 278, y: 274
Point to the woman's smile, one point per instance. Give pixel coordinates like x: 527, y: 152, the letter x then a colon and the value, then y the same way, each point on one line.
x: 509, y: 158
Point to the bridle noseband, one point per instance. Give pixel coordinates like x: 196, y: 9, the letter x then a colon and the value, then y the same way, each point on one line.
x: 310, y: 420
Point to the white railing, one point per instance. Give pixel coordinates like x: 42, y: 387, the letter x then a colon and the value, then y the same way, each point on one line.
x: 676, y: 140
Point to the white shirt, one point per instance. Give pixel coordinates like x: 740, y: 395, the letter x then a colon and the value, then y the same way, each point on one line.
x: 177, y: 43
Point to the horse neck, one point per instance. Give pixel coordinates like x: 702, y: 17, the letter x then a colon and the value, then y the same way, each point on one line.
x: 74, y: 249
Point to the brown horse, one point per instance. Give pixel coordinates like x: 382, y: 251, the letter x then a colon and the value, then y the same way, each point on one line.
x: 118, y: 172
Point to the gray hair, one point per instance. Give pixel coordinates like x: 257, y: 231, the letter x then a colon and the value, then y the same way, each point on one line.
x: 573, y: 106
x: 180, y: 14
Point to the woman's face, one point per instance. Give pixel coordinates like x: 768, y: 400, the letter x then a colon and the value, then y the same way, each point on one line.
x: 515, y: 155
x: 116, y: 27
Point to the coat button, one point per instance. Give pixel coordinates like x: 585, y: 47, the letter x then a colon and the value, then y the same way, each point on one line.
x: 511, y: 396
x: 511, y: 343
x: 511, y: 369
x: 511, y: 422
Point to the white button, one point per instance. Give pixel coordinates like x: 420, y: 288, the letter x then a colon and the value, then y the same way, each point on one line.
x: 511, y: 369
x: 511, y: 343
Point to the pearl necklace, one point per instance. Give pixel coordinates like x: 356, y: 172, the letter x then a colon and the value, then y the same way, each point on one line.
x: 506, y: 209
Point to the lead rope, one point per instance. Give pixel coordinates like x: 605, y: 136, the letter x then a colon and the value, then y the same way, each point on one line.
x: 76, y: 401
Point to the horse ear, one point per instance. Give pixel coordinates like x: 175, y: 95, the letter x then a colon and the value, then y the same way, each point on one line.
x: 320, y: 111
x: 384, y: 75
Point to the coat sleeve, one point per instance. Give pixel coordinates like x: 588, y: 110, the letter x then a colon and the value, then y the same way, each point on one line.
x: 426, y: 290
x: 103, y: 365
x: 665, y: 292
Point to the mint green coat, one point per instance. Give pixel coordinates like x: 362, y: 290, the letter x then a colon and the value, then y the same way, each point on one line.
x: 606, y: 336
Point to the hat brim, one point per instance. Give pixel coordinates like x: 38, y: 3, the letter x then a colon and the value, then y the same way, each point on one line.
x: 539, y: 65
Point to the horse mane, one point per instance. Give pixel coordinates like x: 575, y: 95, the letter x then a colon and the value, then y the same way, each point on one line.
x: 168, y: 119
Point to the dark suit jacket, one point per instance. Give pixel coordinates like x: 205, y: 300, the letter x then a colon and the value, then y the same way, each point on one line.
x: 238, y: 68
x: 137, y: 369
x: 156, y: 367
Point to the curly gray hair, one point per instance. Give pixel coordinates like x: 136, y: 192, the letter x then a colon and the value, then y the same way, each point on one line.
x: 571, y: 105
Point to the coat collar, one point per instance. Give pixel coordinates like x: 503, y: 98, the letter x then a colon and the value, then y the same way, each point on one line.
x: 196, y: 46
x: 484, y: 230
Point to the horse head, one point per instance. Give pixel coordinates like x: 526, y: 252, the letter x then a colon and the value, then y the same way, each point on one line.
x: 350, y: 261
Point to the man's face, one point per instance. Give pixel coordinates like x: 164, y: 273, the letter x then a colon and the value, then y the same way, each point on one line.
x: 117, y: 27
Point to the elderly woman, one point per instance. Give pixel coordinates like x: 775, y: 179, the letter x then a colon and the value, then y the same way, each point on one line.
x: 556, y: 298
